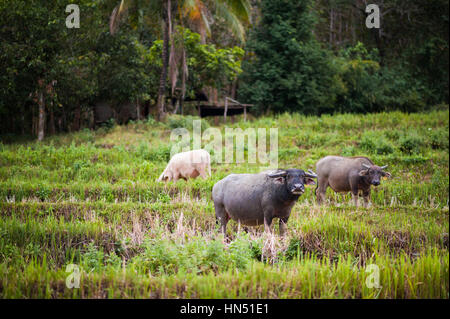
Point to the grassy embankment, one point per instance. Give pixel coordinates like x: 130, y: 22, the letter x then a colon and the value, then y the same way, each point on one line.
x: 90, y: 198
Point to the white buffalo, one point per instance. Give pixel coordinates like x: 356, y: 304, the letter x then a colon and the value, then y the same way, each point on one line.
x: 187, y: 165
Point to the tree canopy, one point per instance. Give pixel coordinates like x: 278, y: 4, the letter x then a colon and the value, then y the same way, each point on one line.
x: 312, y: 57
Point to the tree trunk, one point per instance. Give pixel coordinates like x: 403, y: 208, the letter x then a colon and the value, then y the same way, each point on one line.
x: 76, y: 119
x: 331, y: 26
x: 41, y: 122
x: 33, y: 123
x: 51, y: 126
x: 183, y: 81
x: 60, y: 127
x: 233, y: 89
x: 23, y: 123
x: 177, y: 106
x: 165, y: 61
x: 353, y: 22
x: 138, y: 110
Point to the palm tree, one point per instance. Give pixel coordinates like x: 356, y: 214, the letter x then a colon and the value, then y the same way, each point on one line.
x: 197, y: 13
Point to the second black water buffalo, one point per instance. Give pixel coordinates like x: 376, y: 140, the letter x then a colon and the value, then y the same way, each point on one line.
x: 255, y: 199
x: 348, y: 174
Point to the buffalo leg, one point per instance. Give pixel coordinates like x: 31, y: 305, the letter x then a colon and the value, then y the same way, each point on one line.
x: 221, y: 217
x: 366, y: 195
x: 321, y: 190
x: 268, y: 216
x: 355, y: 197
x: 282, y: 225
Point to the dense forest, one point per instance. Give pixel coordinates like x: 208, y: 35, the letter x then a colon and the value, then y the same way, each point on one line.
x: 146, y: 58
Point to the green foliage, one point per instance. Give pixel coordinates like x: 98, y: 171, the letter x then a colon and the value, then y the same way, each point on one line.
x: 38, y: 41
x: 100, y: 67
x: 412, y: 143
x: 93, y: 258
x: 286, y: 69
x: 43, y: 192
x: 367, y: 87
x: 430, y: 60
x: 108, y: 125
x: 123, y: 69
x: 351, y: 81
x: 294, y: 61
x: 185, y: 121
x: 375, y: 144
x: 159, y: 154
x: 194, y: 256
x: 208, y: 65
x: 439, y: 138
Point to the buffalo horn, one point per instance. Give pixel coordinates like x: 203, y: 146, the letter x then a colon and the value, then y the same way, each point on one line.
x: 311, y: 174
x: 278, y: 174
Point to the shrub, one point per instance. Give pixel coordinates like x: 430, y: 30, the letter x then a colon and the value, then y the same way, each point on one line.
x: 93, y: 258
x: 412, y: 159
x: 241, y: 252
x: 113, y: 260
x: 185, y: 121
x: 348, y: 151
x: 108, y: 125
x: 393, y: 134
x: 215, y: 257
x: 197, y: 255
x: 85, y: 136
x: 160, y: 154
x: 163, y: 198
x: 151, y: 121
x: 293, y: 249
x: 43, y: 192
x: 412, y: 144
x: 376, y: 144
x: 439, y: 139
x: 78, y: 165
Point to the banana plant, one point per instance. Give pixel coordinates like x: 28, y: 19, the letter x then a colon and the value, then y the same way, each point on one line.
x: 197, y: 14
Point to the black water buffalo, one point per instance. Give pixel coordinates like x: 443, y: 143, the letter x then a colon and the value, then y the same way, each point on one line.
x: 255, y: 199
x: 348, y: 174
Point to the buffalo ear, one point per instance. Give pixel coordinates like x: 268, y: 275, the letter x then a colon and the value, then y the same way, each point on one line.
x: 309, y: 181
x: 386, y: 174
x: 364, y: 172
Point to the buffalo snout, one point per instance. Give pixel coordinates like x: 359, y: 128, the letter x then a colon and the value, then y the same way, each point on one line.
x: 298, y: 189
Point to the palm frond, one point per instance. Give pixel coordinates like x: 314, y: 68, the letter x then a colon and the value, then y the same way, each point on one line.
x: 117, y: 14
x: 240, y: 8
x: 197, y: 14
x: 231, y: 19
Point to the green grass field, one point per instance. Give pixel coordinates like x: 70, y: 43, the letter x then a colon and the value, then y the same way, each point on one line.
x: 90, y: 198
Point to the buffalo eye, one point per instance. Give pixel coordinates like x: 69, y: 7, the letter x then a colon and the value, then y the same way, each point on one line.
x: 279, y: 180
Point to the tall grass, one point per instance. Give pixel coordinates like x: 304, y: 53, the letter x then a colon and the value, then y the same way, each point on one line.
x: 91, y: 199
